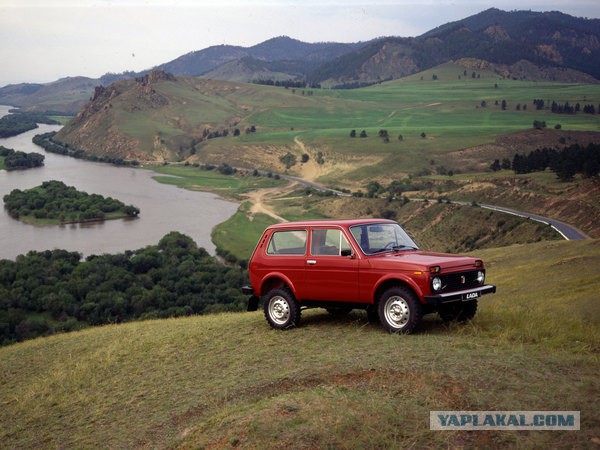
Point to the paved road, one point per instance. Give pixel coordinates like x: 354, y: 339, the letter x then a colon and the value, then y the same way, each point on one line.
x: 567, y: 231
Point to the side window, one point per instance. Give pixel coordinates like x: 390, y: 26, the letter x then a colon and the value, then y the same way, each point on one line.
x: 287, y: 243
x: 328, y: 242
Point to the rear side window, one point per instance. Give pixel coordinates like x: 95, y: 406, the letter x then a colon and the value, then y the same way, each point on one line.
x: 287, y: 243
x: 328, y: 242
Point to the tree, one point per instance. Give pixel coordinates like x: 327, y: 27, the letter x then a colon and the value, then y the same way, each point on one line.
x: 423, y: 135
x: 288, y: 160
x: 363, y: 134
x: 353, y: 133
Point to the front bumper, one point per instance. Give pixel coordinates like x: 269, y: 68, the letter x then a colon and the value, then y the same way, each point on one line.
x: 460, y: 296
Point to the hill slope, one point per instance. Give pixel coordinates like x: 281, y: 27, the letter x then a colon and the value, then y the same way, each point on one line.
x: 230, y: 380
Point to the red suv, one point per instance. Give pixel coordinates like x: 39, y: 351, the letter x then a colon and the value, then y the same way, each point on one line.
x: 370, y: 264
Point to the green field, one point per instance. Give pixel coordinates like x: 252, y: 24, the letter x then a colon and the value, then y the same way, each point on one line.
x: 195, y: 178
x: 448, y: 111
x: 239, y: 234
x: 228, y: 380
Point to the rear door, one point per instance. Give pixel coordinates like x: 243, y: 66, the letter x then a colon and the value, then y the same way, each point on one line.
x: 331, y: 267
x: 286, y: 256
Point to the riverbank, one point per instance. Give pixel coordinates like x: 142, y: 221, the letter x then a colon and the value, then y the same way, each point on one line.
x: 163, y: 208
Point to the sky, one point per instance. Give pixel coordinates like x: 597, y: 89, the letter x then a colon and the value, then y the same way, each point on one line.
x: 45, y: 40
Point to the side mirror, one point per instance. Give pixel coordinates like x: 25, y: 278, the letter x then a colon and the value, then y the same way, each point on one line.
x: 348, y: 253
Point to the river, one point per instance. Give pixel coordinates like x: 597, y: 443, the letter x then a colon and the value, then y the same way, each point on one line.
x: 163, y: 208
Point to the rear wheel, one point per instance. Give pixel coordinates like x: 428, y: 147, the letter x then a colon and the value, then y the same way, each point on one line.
x: 400, y: 310
x: 281, y: 309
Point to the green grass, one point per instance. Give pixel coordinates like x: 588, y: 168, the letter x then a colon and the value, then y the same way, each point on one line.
x: 240, y: 233
x: 194, y: 178
x: 229, y: 380
x: 449, y: 111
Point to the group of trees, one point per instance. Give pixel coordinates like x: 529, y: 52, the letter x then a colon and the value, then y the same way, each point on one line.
x: 46, y: 141
x: 56, y: 201
x: 566, y: 163
x: 383, y: 134
x: 54, y: 290
x: 288, y: 84
x: 14, y: 124
x: 14, y: 160
x: 565, y: 108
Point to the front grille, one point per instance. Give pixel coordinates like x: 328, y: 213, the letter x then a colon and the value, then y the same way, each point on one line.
x: 454, y: 281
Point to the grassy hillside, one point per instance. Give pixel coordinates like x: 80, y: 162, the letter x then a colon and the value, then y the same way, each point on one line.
x: 166, y: 119
x: 448, y: 121
x: 229, y: 380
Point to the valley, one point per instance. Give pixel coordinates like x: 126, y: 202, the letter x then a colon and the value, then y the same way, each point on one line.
x: 425, y: 130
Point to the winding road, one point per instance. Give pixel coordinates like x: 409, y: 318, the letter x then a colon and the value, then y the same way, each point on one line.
x: 568, y: 232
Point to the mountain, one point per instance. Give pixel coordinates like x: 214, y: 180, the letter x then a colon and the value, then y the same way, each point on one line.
x: 272, y: 54
x: 522, y: 45
x: 565, y: 48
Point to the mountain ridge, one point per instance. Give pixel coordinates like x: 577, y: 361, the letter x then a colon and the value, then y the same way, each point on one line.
x: 553, y: 42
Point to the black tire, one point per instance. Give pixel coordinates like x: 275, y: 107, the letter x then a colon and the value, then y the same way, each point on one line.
x: 458, y: 311
x: 400, y: 311
x: 281, y: 309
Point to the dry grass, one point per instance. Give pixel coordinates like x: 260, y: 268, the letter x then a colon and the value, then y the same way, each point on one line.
x: 229, y: 380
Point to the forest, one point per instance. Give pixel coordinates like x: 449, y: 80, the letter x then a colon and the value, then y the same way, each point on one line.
x: 56, y: 202
x: 17, y: 160
x: 566, y: 163
x: 52, y: 291
x: 17, y: 123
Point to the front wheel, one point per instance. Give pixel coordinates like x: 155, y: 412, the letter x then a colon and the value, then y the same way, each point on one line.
x: 281, y: 309
x: 400, y: 310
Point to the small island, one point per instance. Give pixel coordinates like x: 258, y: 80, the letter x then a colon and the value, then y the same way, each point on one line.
x: 17, y: 160
x: 53, y: 202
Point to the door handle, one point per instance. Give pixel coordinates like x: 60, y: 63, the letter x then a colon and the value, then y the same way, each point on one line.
x: 312, y: 262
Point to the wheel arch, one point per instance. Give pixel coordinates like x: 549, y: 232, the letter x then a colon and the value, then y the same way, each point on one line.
x: 393, y: 282
x: 274, y: 281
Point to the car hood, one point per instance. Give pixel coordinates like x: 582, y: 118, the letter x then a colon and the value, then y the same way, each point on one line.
x: 422, y: 260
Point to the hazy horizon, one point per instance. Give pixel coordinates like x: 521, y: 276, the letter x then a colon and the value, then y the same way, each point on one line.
x: 43, y: 41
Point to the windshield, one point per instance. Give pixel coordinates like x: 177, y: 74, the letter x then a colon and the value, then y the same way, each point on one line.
x: 382, y: 237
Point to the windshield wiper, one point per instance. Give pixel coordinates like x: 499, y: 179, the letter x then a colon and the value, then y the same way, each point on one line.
x: 397, y: 248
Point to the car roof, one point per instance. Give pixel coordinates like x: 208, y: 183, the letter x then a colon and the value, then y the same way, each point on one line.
x: 327, y: 223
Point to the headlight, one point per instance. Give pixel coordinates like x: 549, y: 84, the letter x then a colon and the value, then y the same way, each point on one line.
x: 436, y: 284
x: 480, y: 277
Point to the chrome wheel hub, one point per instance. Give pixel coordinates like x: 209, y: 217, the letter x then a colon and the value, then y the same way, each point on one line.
x: 396, y: 312
x: 279, y: 310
